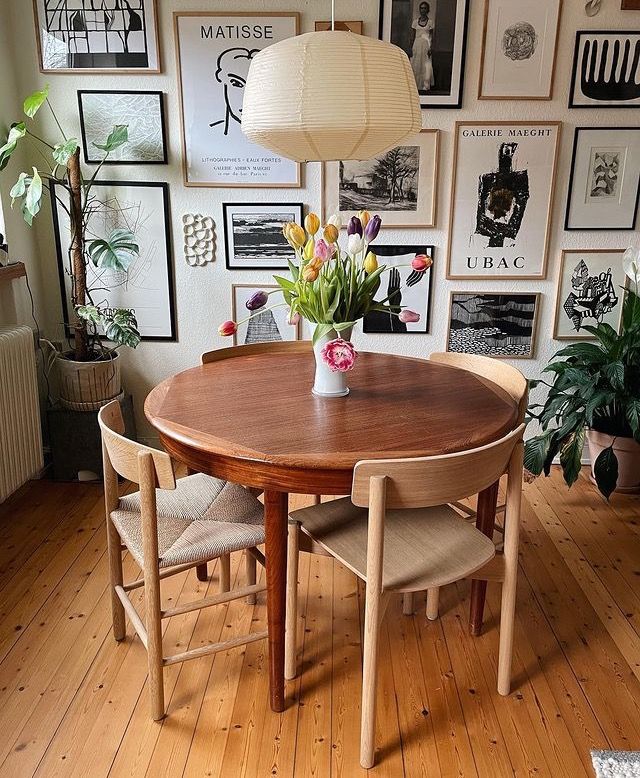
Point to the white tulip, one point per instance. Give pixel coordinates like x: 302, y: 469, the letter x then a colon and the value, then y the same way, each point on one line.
x: 631, y: 263
x: 336, y: 221
x: 355, y: 244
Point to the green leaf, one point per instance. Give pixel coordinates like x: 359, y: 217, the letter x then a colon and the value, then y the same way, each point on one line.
x: 605, y: 470
x: 33, y: 197
x: 89, y: 313
x: 121, y: 327
x: 116, y: 138
x: 598, y: 400
x: 343, y: 325
x: 535, y: 453
x: 16, y: 132
x: 633, y: 417
x: 115, y: 252
x: 614, y: 371
x: 19, y: 188
x: 320, y: 331
x: 571, y: 457
x: 63, y: 152
x: 34, y: 102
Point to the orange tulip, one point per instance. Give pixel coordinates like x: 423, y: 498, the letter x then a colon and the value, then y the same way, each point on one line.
x: 331, y: 233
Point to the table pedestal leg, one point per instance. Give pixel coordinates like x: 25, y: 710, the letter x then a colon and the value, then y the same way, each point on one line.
x: 485, y: 522
x: 275, y: 521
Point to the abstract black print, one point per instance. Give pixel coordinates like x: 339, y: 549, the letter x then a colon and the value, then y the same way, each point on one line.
x: 605, y: 173
x: 267, y: 324
x: 253, y: 234
x: 606, y: 70
x: 519, y: 41
x: 591, y: 297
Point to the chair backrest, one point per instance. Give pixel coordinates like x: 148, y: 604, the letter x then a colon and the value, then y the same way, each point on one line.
x: 505, y: 376
x: 271, y: 347
x: 424, y: 481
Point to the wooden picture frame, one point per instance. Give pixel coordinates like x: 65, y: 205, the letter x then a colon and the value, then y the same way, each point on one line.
x: 630, y: 5
x: 237, y: 314
x: 355, y: 27
x: 602, y: 82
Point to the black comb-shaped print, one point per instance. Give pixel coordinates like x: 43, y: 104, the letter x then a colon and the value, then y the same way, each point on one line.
x: 593, y: 79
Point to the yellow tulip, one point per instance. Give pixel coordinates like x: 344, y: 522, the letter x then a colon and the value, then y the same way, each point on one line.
x: 312, y: 223
x: 370, y: 262
x: 364, y: 217
x: 296, y: 235
x: 309, y: 248
x: 309, y: 273
x: 331, y: 233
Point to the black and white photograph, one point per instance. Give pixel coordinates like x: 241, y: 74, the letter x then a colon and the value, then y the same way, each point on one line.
x: 267, y: 324
x: 142, y: 112
x: 214, y: 53
x: 590, y: 291
x: 400, y: 185
x: 401, y: 287
x: 253, y: 235
x: 606, y: 70
x: 519, y: 49
x: 502, y: 196
x: 100, y: 37
x: 433, y: 36
x: 604, y: 183
x: 493, y: 324
x: 146, y: 287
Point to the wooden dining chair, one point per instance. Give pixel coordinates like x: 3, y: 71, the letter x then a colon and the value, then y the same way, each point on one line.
x: 168, y: 527
x: 398, y: 533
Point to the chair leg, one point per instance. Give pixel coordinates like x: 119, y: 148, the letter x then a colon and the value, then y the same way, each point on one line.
x: 154, y: 641
x: 407, y: 603
x: 225, y: 573
x: 202, y: 573
x: 369, y: 677
x: 250, y: 571
x: 433, y: 601
x: 291, y: 625
x: 115, y: 575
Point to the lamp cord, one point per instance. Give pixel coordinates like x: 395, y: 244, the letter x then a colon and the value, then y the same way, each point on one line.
x: 333, y: 15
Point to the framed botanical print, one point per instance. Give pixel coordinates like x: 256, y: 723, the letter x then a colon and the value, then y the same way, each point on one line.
x: 214, y: 52
x: 519, y: 49
x: 401, y: 184
x: 433, y: 36
x: 604, y: 184
x: 501, y: 199
x: 355, y: 26
x: 105, y: 37
x: 253, y: 235
x: 493, y: 324
x: 142, y: 112
x: 401, y: 286
x: 590, y: 291
x: 606, y: 70
x: 267, y: 324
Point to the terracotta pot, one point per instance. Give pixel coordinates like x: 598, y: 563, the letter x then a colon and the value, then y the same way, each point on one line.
x: 627, y: 451
x: 87, y: 386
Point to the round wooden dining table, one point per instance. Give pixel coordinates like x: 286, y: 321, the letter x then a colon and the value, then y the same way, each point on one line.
x: 251, y: 418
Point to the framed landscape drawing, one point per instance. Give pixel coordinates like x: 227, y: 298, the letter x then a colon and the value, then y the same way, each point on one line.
x: 590, y: 291
x: 493, y: 324
x: 433, y: 35
x: 266, y: 326
x: 400, y: 185
x: 109, y: 36
x: 253, y: 235
x: 214, y: 53
x: 519, y: 49
x: 604, y: 184
x: 143, y: 112
x: 501, y: 199
x: 606, y: 70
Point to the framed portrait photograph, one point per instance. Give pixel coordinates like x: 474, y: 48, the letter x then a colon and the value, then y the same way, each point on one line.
x: 433, y: 36
x: 109, y: 36
x: 342, y: 26
x: 147, y: 286
x: 266, y: 326
x: 604, y: 184
x: 214, y: 53
x: 253, y: 236
x: 401, y: 185
x: 590, y: 291
x: 519, y: 49
x: 143, y: 112
x: 493, y: 324
x: 401, y: 286
x: 501, y: 199
x: 606, y: 70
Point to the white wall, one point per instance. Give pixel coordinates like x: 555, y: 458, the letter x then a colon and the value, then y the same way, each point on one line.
x: 203, y: 294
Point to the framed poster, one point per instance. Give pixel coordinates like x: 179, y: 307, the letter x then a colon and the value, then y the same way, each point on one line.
x: 606, y: 70
x: 401, y: 185
x: 253, y: 236
x: 519, y: 49
x: 630, y: 5
x: 106, y: 37
x: 501, y: 199
x: 590, y: 291
x: 355, y: 26
x: 401, y: 286
x: 267, y: 325
x: 433, y: 35
x: 493, y: 324
x: 214, y: 53
x: 142, y: 112
x: 147, y: 285
x: 604, y: 184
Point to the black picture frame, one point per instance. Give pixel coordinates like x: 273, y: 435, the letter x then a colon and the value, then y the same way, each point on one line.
x: 163, y: 126
x: 227, y: 209
x: 398, y: 250
x: 172, y: 338
x: 574, y: 70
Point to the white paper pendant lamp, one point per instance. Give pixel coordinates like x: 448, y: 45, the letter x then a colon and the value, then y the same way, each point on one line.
x: 330, y: 95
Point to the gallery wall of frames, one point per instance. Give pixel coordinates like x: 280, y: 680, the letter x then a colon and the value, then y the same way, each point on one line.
x: 523, y: 185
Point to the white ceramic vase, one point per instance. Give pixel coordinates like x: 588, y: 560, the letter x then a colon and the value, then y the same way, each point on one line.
x: 329, y: 383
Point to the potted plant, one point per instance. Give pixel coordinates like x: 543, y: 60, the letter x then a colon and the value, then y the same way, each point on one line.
x: 89, y: 372
x: 594, y: 393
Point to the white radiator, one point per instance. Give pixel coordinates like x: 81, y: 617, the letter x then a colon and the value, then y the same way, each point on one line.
x: 20, y: 434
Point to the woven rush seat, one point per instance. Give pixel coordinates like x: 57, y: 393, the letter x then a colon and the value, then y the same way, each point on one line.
x: 203, y: 518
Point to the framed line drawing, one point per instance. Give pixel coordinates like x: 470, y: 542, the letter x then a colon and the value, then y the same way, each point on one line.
x: 502, y: 199
x: 253, y: 236
x: 106, y: 37
x: 590, y: 291
x: 143, y: 112
x: 267, y: 326
x: 214, y: 51
x: 604, y: 183
x: 519, y: 49
x: 606, y: 69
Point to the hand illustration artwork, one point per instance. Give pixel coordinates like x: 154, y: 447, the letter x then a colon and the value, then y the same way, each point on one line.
x: 393, y: 290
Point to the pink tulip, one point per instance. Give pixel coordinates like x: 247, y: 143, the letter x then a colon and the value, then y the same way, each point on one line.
x: 293, y: 318
x: 407, y: 316
x: 421, y: 262
x: 323, y: 250
x: 339, y: 355
x: 227, y: 328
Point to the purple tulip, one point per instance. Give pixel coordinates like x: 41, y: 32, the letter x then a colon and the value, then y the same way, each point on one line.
x: 257, y: 300
x: 373, y: 228
x: 354, y: 227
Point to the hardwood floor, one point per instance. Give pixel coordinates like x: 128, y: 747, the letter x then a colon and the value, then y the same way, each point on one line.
x: 74, y: 703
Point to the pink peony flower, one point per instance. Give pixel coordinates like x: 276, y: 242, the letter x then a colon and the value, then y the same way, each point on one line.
x: 408, y: 316
x: 339, y: 355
